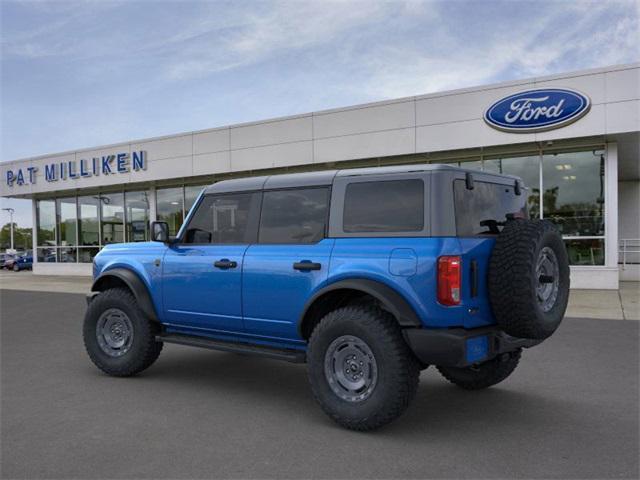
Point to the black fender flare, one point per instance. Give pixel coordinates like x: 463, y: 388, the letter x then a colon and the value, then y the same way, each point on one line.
x: 135, y: 284
x: 392, y: 301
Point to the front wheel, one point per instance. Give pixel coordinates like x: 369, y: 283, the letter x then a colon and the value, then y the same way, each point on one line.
x: 484, y: 375
x: 16, y: 268
x: 361, y: 371
x: 119, y: 339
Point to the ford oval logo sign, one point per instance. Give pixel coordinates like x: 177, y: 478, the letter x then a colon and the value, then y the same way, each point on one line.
x: 537, y: 110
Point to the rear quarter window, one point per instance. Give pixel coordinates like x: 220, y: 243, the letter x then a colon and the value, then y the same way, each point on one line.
x: 384, y: 206
x: 485, y: 202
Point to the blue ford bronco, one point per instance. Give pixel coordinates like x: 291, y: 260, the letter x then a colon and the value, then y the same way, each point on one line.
x: 367, y: 275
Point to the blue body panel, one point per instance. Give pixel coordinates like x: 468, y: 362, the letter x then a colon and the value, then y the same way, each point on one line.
x: 196, y: 294
x: 25, y: 262
x: 138, y: 257
x: 262, y: 299
x: 274, y: 293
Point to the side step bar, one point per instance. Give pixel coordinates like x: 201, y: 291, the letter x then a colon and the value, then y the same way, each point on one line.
x: 288, y: 355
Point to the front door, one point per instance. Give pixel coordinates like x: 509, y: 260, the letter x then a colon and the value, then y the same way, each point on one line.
x: 202, y: 272
x: 289, y: 261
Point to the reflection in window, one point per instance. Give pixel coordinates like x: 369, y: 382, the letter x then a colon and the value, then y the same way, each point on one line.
x: 224, y: 219
x: 528, y: 169
x: 67, y: 255
x: 88, y: 220
x: 46, y: 222
x: 46, y: 255
x: 137, y: 216
x: 169, y: 208
x: 585, y: 252
x: 574, y: 192
x: 485, y: 202
x: 294, y: 216
x: 384, y: 206
x: 66, y: 221
x: 112, y: 218
x: 86, y: 254
x: 472, y: 165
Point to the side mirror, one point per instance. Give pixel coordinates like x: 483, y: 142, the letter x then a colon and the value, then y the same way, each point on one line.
x: 160, y: 232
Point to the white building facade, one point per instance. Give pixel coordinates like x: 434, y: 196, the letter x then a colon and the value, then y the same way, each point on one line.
x: 582, y: 171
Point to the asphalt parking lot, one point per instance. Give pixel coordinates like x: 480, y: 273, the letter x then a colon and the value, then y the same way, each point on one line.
x: 569, y: 411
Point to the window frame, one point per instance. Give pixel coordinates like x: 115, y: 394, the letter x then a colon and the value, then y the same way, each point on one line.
x: 252, y: 222
x: 336, y: 218
x: 325, y: 230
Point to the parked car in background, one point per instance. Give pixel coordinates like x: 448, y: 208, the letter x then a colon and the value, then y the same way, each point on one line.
x: 3, y: 258
x: 23, y: 262
x: 7, y: 260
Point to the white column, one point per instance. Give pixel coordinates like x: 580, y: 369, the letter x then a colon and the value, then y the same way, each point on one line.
x: 34, y: 232
x: 152, y: 204
x: 611, y: 205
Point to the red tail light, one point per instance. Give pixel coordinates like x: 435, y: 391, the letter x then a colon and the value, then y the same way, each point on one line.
x: 449, y: 273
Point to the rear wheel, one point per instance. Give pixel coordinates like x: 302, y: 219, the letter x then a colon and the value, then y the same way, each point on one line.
x: 119, y: 339
x: 16, y: 268
x: 484, y: 375
x: 361, y: 371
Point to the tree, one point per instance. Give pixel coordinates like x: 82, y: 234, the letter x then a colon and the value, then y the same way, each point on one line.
x: 22, y: 237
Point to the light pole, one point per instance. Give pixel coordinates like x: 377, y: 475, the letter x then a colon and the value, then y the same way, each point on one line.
x: 11, y: 212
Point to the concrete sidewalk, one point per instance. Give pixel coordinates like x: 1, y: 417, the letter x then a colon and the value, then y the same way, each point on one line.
x: 623, y: 304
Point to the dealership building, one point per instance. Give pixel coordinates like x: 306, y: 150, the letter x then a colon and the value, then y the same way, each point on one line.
x: 573, y: 138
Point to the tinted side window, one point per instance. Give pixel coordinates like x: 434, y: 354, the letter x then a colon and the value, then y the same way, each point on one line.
x: 387, y: 206
x: 487, y: 201
x: 294, y: 216
x: 224, y: 219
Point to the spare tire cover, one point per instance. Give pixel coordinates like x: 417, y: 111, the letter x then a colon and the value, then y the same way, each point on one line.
x: 529, y: 278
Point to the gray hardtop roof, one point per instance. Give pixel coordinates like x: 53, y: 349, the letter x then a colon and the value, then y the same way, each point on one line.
x: 326, y: 177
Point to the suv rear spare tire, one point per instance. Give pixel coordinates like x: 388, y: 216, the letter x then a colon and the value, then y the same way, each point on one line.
x: 529, y: 278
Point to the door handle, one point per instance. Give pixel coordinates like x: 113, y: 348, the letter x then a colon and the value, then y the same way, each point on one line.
x: 225, y: 263
x: 306, y: 265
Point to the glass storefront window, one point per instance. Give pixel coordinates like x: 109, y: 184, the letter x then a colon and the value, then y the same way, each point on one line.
x: 46, y: 255
x: 585, y: 251
x: 88, y: 223
x: 574, y: 192
x: 67, y: 255
x: 66, y: 209
x: 169, y: 208
x: 137, y: 216
x: 86, y: 254
x: 527, y: 168
x: 112, y: 220
x: 472, y: 165
x: 190, y: 195
x: 46, y: 219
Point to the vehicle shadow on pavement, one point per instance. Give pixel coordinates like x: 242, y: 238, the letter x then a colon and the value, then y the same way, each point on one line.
x: 281, y: 386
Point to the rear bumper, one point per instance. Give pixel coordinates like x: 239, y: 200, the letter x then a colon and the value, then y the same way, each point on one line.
x: 459, y: 347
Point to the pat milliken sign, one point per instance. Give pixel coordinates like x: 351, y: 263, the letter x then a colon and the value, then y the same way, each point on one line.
x: 117, y: 163
x: 537, y: 110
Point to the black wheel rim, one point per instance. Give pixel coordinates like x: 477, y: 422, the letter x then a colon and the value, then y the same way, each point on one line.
x: 114, y: 332
x: 350, y: 368
x: 548, y: 279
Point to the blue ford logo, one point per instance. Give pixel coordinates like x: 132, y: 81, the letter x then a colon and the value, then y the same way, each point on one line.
x: 537, y: 110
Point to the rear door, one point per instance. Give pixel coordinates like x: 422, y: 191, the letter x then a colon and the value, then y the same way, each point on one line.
x: 202, y: 274
x: 289, y: 261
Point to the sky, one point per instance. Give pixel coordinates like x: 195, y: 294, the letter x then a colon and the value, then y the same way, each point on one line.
x: 86, y: 73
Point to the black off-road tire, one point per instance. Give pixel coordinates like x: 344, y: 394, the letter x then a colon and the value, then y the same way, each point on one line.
x: 143, y: 350
x: 513, y: 281
x: 484, y: 375
x: 398, y: 370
